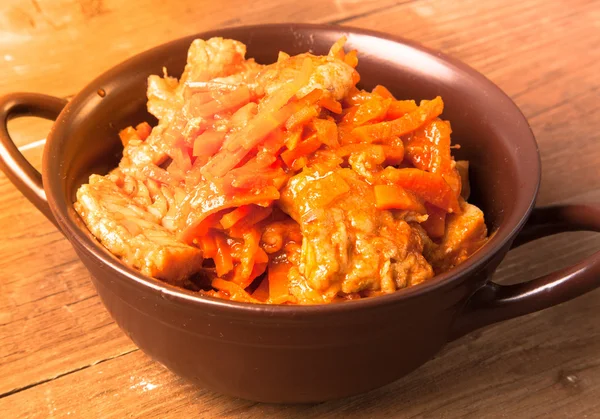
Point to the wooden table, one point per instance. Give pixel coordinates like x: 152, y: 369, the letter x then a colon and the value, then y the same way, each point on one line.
x: 62, y: 355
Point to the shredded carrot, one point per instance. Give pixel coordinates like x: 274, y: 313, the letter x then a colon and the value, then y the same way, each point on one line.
x: 429, y: 186
x: 383, y: 92
x: 349, y: 149
x: 330, y: 104
x: 348, y: 114
x: 435, y: 225
x: 231, y: 218
x: 128, y: 134
x: 310, y: 99
x: 301, y: 117
x: 399, y: 108
x: 261, y: 256
x: 403, y: 125
x: 393, y: 196
x: 143, y: 130
x: 196, y: 221
x: 235, y: 99
x: 223, y: 260
x: 256, y: 216
x: 351, y: 58
x: 273, y: 114
x: 373, y: 109
x: 292, y: 138
x: 394, y: 151
x: 327, y: 132
x: 308, y: 146
x: 337, y: 49
x: 236, y: 293
x: 208, y: 143
x: 278, y: 281
x: 208, y: 245
x: 261, y: 292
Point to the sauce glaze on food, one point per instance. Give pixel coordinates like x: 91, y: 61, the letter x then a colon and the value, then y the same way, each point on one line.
x: 284, y: 183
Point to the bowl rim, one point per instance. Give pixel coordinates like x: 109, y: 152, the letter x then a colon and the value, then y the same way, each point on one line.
x: 83, y: 239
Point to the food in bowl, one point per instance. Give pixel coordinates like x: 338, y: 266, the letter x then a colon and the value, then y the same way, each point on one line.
x: 284, y: 183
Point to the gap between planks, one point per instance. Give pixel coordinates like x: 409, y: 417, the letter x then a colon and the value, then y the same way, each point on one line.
x: 46, y: 380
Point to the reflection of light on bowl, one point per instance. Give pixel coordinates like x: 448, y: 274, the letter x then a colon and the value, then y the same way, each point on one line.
x: 38, y: 143
x: 33, y: 152
x: 29, y: 135
x: 411, y: 58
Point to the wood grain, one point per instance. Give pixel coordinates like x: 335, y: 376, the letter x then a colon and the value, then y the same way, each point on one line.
x: 61, y: 355
x: 57, y: 46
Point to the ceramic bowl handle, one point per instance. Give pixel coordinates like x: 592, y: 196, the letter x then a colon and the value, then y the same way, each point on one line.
x: 20, y: 172
x: 493, y: 302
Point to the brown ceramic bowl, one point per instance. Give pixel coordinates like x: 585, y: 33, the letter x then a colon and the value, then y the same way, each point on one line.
x: 308, y: 354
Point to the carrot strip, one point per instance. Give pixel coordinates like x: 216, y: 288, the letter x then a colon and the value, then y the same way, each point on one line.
x: 301, y: 117
x: 143, y: 130
x: 235, y: 99
x: 128, y: 134
x: 208, y: 246
x: 356, y: 97
x: 373, y: 109
x: 278, y: 281
x: 431, y: 187
x: 262, y: 291
x: 206, y: 203
x: 236, y: 293
x: 308, y: 146
x: 257, y: 270
x: 399, y: 108
x: 351, y: 58
x: 330, y: 104
x: 273, y: 114
x: 393, y: 155
x: 208, y: 143
x: 261, y: 256
x: 288, y: 90
x: 395, y: 197
x: 348, y: 114
x: 223, y: 260
x: 435, y: 225
x: 231, y: 218
x: 310, y: 99
x: 349, y: 149
x: 403, y: 125
x: 256, y: 216
x: 337, y: 49
x: 326, y: 132
x: 383, y: 92
x: 292, y: 138
x: 243, y: 114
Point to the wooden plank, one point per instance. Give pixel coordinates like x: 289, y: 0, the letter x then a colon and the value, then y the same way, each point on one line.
x: 503, y: 371
x: 57, y: 46
x: 51, y: 320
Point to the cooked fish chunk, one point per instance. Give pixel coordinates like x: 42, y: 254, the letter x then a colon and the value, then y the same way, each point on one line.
x: 133, y: 234
x: 349, y: 245
x: 329, y: 74
x: 465, y: 233
x: 163, y: 102
x: 217, y: 58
